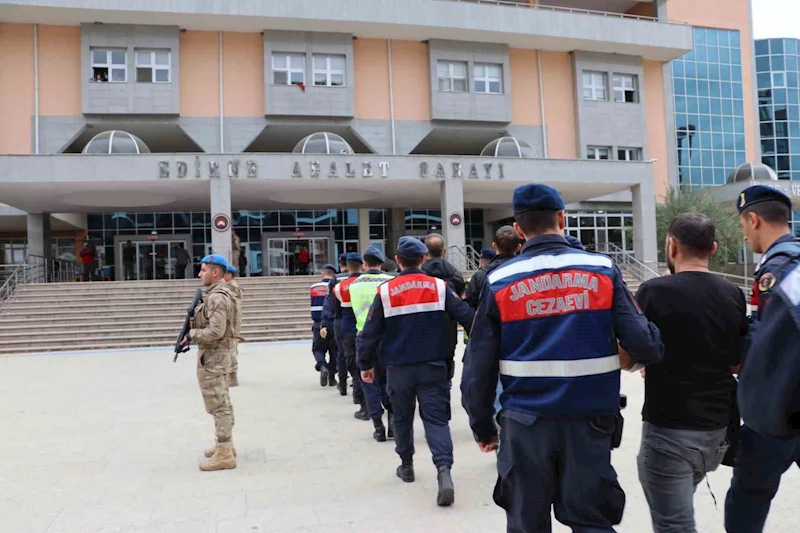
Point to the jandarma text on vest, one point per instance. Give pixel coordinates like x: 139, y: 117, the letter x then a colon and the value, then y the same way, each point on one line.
x: 409, y: 285
x: 547, y: 282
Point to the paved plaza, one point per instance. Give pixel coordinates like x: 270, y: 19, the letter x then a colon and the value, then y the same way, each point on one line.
x: 109, y: 442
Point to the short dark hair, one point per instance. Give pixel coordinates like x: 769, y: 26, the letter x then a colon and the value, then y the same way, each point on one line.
x: 389, y: 266
x: 435, y: 243
x: 354, y: 265
x: 694, y: 232
x: 773, y: 212
x: 328, y: 271
x: 180, y: 245
x: 128, y: 242
x: 537, y: 222
x: 506, y: 240
x: 409, y: 262
x: 372, y: 261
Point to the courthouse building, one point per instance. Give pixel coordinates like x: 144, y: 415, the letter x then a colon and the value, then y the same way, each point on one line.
x: 333, y: 125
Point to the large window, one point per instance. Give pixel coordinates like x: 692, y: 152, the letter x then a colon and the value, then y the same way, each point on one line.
x: 453, y: 76
x: 329, y: 70
x: 109, y: 66
x: 596, y: 228
x: 709, y: 108
x: 629, y: 154
x: 152, y: 66
x: 598, y: 153
x: 625, y: 88
x: 487, y: 78
x: 288, y: 69
x: 594, y: 86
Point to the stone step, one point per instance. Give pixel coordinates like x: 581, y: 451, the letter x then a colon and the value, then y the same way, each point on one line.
x: 44, y: 313
x: 144, y: 301
x: 250, y: 319
x: 149, y: 298
x: 139, y: 343
x: 104, y: 285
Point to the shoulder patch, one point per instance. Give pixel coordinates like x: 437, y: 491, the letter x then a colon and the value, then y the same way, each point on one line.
x: 766, y: 282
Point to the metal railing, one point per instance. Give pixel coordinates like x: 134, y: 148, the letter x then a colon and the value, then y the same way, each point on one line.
x: 466, y: 257
x: 525, y: 5
x: 34, y: 269
x: 626, y: 262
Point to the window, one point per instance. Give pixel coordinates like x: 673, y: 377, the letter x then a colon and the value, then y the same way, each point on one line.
x: 778, y: 80
x: 487, y: 78
x: 594, y: 86
x: 109, y: 66
x: 288, y: 69
x: 625, y: 88
x: 453, y: 76
x: 629, y: 154
x: 598, y: 153
x: 329, y: 71
x: 152, y: 66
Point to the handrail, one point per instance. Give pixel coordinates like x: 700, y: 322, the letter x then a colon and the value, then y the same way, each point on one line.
x: 34, y: 269
x: 468, y: 254
x: 524, y: 4
x: 626, y: 262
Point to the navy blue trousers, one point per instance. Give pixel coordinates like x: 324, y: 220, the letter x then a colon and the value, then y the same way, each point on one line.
x: 341, y: 364
x: 430, y: 385
x: 320, y: 347
x: 565, y: 464
x: 375, y: 393
x: 760, y: 463
x: 349, y: 345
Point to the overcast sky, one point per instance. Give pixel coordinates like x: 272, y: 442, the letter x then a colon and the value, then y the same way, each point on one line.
x: 776, y: 18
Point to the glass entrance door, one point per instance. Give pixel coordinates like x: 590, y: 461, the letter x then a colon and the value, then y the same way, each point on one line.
x: 293, y: 256
x: 154, y: 260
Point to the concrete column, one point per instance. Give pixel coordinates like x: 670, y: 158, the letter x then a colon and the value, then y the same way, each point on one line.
x: 395, y: 228
x: 363, y: 230
x: 644, y: 224
x: 221, y: 205
x: 39, y: 235
x: 453, y: 203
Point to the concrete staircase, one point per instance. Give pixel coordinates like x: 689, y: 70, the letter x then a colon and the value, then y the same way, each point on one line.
x: 114, y: 315
x: 135, y: 314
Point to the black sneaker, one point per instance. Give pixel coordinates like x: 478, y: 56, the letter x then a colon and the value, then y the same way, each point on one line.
x: 323, y: 377
x: 447, y: 493
x: 406, y: 472
x: 343, y: 387
x: 362, y: 414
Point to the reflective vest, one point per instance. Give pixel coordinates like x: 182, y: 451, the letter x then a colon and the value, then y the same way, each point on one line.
x: 318, y: 293
x: 558, y: 351
x: 416, y: 325
x: 362, y: 294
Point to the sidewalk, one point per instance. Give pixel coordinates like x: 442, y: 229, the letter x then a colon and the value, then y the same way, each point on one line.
x: 109, y: 443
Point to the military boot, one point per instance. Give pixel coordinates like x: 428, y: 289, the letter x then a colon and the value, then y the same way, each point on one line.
x: 390, y: 425
x: 447, y: 493
x: 233, y: 379
x: 362, y: 413
x: 209, y: 452
x: 332, y: 380
x: 223, y: 459
x: 343, y: 387
x: 380, y: 430
x: 406, y: 472
x: 323, y: 377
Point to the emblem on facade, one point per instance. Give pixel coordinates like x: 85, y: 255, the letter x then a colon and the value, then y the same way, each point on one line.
x: 221, y: 222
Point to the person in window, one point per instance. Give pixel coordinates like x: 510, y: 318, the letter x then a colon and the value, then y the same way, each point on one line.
x: 243, y: 265
x: 129, y: 260
x: 182, y: 260
x: 303, y: 258
x: 87, y: 260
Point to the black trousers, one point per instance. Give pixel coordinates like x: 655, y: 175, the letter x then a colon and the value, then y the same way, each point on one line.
x: 349, y: 345
x: 341, y: 363
x: 320, y: 347
x: 180, y: 271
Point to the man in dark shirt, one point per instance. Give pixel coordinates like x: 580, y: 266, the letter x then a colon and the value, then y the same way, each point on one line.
x: 128, y: 260
x: 690, y: 393
x: 506, y: 245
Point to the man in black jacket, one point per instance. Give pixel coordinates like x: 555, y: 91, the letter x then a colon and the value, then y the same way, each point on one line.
x: 506, y: 245
x: 437, y: 266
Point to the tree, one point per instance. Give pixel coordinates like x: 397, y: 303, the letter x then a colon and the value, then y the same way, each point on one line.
x: 725, y: 219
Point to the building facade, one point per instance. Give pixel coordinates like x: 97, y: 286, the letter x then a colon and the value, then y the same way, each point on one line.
x: 221, y: 114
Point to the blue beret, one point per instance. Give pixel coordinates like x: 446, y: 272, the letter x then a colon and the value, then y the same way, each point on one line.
x: 354, y: 256
x: 232, y: 269
x: 328, y: 266
x: 536, y: 197
x: 375, y: 253
x: 487, y: 253
x: 761, y: 193
x: 411, y: 247
x: 574, y: 242
x: 215, y: 259
x: 342, y: 258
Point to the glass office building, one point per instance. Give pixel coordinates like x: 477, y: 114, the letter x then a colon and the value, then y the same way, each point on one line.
x: 709, y: 109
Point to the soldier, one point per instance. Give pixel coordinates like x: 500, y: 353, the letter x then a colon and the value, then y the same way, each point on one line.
x: 214, y: 335
x: 331, y: 324
x: 409, y: 315
x: 233, y: 377
x: 362, y: 294
x: 320, y: 346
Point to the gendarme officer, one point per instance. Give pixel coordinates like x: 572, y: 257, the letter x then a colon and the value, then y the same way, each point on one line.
x: 410, y: 316
x: 769, y: 380
x: 549, y: 322
x: 214, y: 334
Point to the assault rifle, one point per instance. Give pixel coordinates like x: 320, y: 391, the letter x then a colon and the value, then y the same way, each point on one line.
x: 187, y: 324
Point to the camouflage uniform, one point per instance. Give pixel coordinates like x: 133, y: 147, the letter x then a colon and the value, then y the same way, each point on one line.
x: 237, y: 329
x: 214, y: 335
